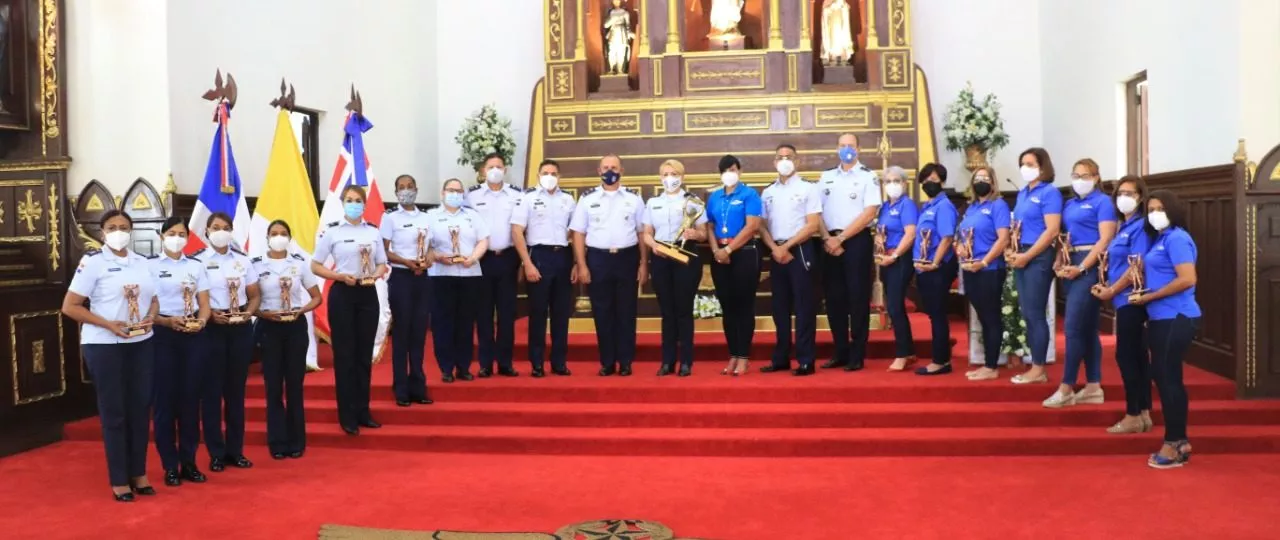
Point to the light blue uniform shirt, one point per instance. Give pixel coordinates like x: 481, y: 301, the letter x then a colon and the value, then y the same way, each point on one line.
x: 102, y: 278
x: 787, y: 206
x: 544, y: 216
x: 471, y: 228
x: 344, y: 241
x: 171, y: 275
x: 845, y: 194
x: 496, y: 208
x: 609, y: 219
x: 221, y: 267
x: 665, y: 213
x: 401, y: 227
x: 297, y: 268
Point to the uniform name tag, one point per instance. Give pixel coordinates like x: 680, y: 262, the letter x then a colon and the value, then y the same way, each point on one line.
x: 116, y: 269
x: 165, y: 274
x: 349, y: 240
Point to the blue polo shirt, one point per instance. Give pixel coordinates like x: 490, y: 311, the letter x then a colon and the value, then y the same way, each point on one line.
x: 1131, y: 238
x: 1032, y: 206
x: 1082, y: 215
x: 728, y: 212
x: 895, y: 216
x: 1172, y: 247
x: 986, y: 218
x: 939, y: 216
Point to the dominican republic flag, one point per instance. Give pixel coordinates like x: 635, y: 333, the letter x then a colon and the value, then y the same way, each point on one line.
x: 354, y: 167
x: 221, y: 190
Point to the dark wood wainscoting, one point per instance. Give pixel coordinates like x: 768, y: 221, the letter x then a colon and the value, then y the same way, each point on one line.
x: 1256, y: 288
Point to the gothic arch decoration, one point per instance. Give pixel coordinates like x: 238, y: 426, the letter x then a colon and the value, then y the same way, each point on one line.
x: 143, y: 203
x: 92, y: 202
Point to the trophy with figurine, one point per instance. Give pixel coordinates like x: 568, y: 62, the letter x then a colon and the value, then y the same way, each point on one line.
x: 1015, y: 240
x: 234, y: 315
x: 134, y: 326
x: 288, y: 312
x: 1102, y: 270
x: 1138, y: 278
x: 422, y: 247
x: 190, y: 321
x: 1064, y: 254
x: 366, y: 277
x: 924, y: 257
x: 879, y: 250
x: 966, y: 246
x: 455, y: 233
x: 675, y: 250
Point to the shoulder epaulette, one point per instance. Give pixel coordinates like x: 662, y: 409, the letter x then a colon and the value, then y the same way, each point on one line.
x: 392, y: 210
x: 91, y: 252
x: 369, y: 224
x: 832, y: 169
x: 256, y: 260
x: 334, y: 224
x: 531, y: 190
x: 475, y: 187
x: 193, y: 258
x: 592, y: 190
x: 864, y: 167
x: 236, y: 250
x: 298, y: 256
x: 149, y: 257
x: 202, y: 250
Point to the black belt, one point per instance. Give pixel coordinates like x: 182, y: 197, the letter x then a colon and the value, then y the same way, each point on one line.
x: 497, y: 252
x: 612, y: 251
x: 551, y: 247
x: 838, y: 232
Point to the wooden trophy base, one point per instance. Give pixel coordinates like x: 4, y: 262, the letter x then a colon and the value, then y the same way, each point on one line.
x: 191, y: 324
x: 135, y: 331
x: 289, y: 316
x: 614, y: 84
x: 366, y: 281
x: 837, y: 74
x: 674, y: 253
x: 237, y: 318
x: 1135, y: 296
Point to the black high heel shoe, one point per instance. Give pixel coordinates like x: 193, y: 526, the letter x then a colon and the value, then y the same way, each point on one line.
x: 147, y: 490
x: 126, y: 497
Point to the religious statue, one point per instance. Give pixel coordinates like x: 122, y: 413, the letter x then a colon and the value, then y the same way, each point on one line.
x: 837, y: 35
x: 618, y: 36
x: 725, y: 16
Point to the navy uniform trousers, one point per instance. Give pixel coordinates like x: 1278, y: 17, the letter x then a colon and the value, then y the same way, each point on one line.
x: 178, y: 387
x: 847, y: 278
x: 613, y: 292
x: 353, y: 322
x: 675, y: 284
x: 453, y: 321
x: 552, y: 293
x: 284, y: 365
x: 122, y: 378
x: 497, y: 294
x: 410, y: 298
x: 792, y: 287
x: 935, y: 290
x: 230, y: 348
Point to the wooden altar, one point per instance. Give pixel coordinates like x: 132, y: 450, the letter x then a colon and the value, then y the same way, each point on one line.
x: 685, y: 99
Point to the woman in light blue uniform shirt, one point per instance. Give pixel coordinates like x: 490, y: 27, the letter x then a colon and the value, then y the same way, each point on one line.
x: 1174, y: 317
x: 119, y: 362
x: 674, y: 282
x: 986, y: 221
x: 898, y: 217
x: 935, y: 276
x: 1089, y: 219
x: 1131, y: 320
x: 1039, y: 211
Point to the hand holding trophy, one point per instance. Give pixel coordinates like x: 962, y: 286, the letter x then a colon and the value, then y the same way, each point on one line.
x: 966, y: 247
x: 134, y: 325
x: 922, y: 257
x: 422, y: 261
x: 1015, y: 241
x: 287, y: 313
x: 189, y: 322
x: 454, y: 233
x: 366, y: 277
x: 880, y: 249
x: 234, y: 315
x: 1064, y: 255
x: 1137, y: 277
x: 1102, y: 284
x: 675, y: 250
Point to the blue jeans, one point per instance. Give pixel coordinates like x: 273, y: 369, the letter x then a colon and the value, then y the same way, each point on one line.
x: 1033, y: 282
x: 896, y: 278
x: 1083, y: 342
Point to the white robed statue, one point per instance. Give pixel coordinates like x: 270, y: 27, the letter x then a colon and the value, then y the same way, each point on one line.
x: 618, y: 37
x: 837, y: 36
x: 725, y: 16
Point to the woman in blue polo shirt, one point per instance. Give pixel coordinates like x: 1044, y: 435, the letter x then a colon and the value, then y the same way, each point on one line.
x: 734, y: 215
x: 1089, y: 219
x: 1039, y: 211
x: 1174, y: 316
x: 938, y: 270
x: 986, y: 221
x: 1131, y: 320
x: 898, y: 217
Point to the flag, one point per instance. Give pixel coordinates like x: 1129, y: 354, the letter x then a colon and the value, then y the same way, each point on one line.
x: 221, y: 191
x: 354, y: 167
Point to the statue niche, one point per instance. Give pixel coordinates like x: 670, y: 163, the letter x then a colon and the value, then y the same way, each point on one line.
x: 613, y: 47
x: 839, y: 41
x: 717, y: 25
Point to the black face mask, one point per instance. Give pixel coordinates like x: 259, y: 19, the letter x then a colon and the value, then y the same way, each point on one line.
x: 982, y: 189
x: 932, y: 189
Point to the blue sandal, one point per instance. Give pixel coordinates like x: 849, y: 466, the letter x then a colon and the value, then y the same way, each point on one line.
x: 1182, y: 449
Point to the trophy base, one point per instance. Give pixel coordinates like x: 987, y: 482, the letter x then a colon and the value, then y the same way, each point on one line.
x: 191, y: 324
x: 1137, y: 295
x: 289, y: 316
x: 457, y: 259
x: 237, y: 318
x: 880, y: 258
x: 135, y: 331
x: 366, y: 281
x: 674, y: 253
x: 924, y: 261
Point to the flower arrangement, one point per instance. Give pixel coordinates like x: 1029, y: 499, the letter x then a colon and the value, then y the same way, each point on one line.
x: 706, y: 307
x: 483, y: 133
x: 1014, y: 341
x: 970, y: 124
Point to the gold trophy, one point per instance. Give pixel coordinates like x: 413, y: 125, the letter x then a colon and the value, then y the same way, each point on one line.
x: 1064, y: 253
x: 133, y: 323
x: 880, y: 239
x: 189, y: 320
x: 366, y: 277
x: 676, y: 250
x: 454, y: 233
x: 924, y: 257
x: 879, y: 317
x: 234, y: 315
x: 1015, y: 240
x: 422, y: 247
x: 1102, y: 270
x: 288, y: 313
x: 1137, y: 277
x: 966, y: 245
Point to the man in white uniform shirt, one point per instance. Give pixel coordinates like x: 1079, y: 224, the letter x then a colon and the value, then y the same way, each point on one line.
x: 540, y: 232
x: 495, y: 200
x: 791, y: 215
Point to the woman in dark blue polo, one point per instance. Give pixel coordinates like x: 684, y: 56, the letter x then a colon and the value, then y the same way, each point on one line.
x: 1131, y: 320
x: 734, y: 214
x: 898, y: 217
x: 1174, y: 316
x: 934, y: 276
x: 986, y: 222
x: 1089, y: 220
x: 1039, y: 211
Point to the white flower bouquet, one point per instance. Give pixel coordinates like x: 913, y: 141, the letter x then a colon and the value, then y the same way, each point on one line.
x: 706, y: 307
x: 970, y: 123
x: 483, y: 133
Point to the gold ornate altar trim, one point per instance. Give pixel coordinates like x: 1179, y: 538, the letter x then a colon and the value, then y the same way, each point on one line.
x: 56, y: 164
x: 20, y: 240
x: 781, y: 134
x: 48, y: 47
x: 535, y: 153
x: 13, y: 357
x: 1251, y: 296
x: 17, y: 267
x: 793, y: 73
x: 685, y: 155
x: 726, y: 120
x: 613, y: 124
x: 691, y: 102
x: 20, y: 183
x: 748, y: 53
x: 706, y: 180
x: 928, y: 151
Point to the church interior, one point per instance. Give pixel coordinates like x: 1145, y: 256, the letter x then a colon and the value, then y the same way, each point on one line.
x: 111, y: 106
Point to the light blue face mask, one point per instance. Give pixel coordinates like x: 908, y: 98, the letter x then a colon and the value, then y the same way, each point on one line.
x: 847, y: 154
x: 353, y: 210
x: 454, y: 199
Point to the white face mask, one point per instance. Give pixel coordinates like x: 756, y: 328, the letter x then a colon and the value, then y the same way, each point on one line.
x: 786, y: 167
x: 278, y: 243
x: 1030, y: 173
x: 672, y: 182
x: 729, y: 178
x: 220, y: 239
x: 1158, y: 220
x: 174, y: 244
x: 1082, y: 187
x: 893, y: 190
x: 495, y: 175
x: 548, y: 182
x: 117, y: 240
x: 1126, y: 204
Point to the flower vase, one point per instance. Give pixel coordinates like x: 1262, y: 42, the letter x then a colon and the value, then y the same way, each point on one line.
x: 975, y: 157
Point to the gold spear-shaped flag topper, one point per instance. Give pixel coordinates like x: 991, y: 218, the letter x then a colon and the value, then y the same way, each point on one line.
x: 287, y: 99
x: 356, y: 105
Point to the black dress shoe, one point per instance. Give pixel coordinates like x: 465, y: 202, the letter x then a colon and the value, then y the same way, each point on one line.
x: 563, y: 371
x: 295, y: 455
x: 625, y: 371
x: 606, y: 371
x: 686, y: 371
x: 172, y: 478
x: 123, y: 497
x: 371, y: 424
x: 508, y: 372
x: 424, y: 401
x: 402, y: 403
x: 278, y: 455
x: 217, y: 465
x: 446, y: 378
x: 148, y: 491
x: 664, y: 370
x: 350, y: 430
x: 773, y: 369
x: 484, y: 373
x: 945, y: 369
x: 853, y: 366
x: 191, y: 474
x: 464, y: 376
x: 241, y: 462
x: 803, y: 371
x: 537, y: 373
x: 833, y: 363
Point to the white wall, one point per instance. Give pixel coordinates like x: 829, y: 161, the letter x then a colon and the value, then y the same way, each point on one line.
x: 118, y: 101
x: 994, y: 44
x: 387, y: 49
x: 494, y: 62
x: 1259, y: 79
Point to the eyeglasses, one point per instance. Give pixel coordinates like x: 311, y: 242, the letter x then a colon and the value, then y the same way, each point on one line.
x: 1081, y: 177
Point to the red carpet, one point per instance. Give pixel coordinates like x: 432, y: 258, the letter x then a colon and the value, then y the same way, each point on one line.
x: 60, y: 492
